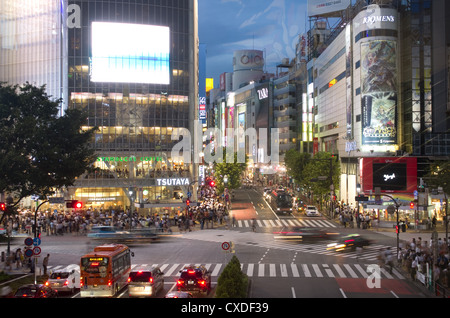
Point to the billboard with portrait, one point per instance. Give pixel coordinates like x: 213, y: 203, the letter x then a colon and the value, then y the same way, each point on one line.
x: 130, y: 53
x: 379, y: 92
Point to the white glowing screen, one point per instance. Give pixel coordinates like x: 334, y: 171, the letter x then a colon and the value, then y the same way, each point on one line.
x: 130, y: 53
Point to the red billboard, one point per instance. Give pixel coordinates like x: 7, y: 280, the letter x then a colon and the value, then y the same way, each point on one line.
x: 390, y: 174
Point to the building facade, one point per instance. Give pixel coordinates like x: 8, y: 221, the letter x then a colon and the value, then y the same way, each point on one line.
x: 378, y: 96
x: 133, y: 67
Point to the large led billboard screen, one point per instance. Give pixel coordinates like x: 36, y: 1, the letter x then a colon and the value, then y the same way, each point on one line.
x: 390, y: 176
x: 130, y: 53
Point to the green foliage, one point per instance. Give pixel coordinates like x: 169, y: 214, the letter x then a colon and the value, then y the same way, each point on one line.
x: 232, y: 283
x: 295, y: 164
x: 439, y: 176
x: 233, y: 171
x: 319, y: 166
x: 40, y: 150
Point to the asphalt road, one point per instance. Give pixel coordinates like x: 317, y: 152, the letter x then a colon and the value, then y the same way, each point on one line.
x: 275, y: 269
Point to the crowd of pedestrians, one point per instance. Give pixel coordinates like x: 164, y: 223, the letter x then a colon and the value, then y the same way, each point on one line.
x: 348, y: 217
x: 419, y: 256
x: 211, y: 208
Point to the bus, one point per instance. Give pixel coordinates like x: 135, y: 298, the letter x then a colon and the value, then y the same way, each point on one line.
x: 104, y: 272
x: 280, y: 202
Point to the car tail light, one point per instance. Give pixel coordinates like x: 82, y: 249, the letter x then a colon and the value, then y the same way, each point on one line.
x: 129, y: 279
x: 202, y: 282
x: 109, y: 282
x: 180, y: 282
x: 151, y: 280
x: 66, y: 283
x: 47, y: 283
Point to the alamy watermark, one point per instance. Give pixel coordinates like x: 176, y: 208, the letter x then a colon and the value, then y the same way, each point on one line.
x: 227, y: 146
x: 374, y: 278
x: 73, y: 16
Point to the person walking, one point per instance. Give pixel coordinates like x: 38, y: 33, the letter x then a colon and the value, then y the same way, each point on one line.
x: 45, y: 263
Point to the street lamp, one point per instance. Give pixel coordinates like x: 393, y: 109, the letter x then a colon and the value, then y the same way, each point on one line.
x: 391, y: 209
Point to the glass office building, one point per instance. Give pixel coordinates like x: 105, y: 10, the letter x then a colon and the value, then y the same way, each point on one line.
x: 132, y: 66
x: 31, y: 44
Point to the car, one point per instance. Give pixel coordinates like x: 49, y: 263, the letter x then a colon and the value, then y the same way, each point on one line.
x: 179, y: 294
x: 311, y: 210
x: 349, y: 242
x: 64, y: 280
x: 35, y: 291
x: 194, y: 279
x: 145, y: 281
x: 298, y: 233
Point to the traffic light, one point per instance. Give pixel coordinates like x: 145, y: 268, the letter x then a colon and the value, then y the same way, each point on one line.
x: 396, y: 229
x: 188, y: 202
x: 2, y: 206
x: 74, y: 204
x: 411, y: 205
x: 212, y: 184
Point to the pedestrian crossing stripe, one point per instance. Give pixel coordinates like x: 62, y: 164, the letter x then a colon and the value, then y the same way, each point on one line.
x: 270, y: 270
x: 286, y: 222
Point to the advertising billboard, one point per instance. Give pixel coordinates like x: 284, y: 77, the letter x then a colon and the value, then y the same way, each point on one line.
x: 130, y: 53
x: 390, y: 174
x: 323, y: 7
x: 379, y: 92
x: 248, y: 60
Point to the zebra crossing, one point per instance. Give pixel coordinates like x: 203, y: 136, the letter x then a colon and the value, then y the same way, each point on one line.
x: 271, y: 270
x: 285, y: 222
x: 368, y: 253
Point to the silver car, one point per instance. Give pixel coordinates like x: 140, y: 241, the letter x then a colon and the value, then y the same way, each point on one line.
x: 312, y: 211
x: 145, y: 282
x: 64, y: 280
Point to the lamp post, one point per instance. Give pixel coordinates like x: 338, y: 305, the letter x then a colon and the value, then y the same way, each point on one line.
x: 391, y: 210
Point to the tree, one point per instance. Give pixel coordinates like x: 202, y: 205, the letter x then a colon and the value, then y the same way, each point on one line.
x: 232, y: 283
x: 439, y: 176
x: 233, y: 171
x: 319, y: 166
x: 40, y: 151
x: 295, y: 164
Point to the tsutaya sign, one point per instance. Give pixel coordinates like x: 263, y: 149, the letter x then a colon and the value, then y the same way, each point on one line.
x: 128, y: 159
x: 173, y: 182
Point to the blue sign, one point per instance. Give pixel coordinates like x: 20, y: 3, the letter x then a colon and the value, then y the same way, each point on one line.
x: 29, y: 252
x: 28, y: 241
x: 36, y: 241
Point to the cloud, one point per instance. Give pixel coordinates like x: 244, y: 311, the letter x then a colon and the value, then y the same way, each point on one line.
x: 230, y: 25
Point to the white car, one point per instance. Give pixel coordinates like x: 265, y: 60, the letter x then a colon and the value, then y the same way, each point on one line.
x: 312, y: 211
x: 64, y: 280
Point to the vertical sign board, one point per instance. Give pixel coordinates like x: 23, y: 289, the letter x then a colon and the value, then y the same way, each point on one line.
x: 379, y: 92
x: 349, y: 78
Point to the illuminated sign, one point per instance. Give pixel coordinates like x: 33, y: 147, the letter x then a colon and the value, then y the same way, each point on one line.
x: 202, y: 108
x: 379, y: 92
x: 129, y: 159
x: 374, y: 19
x: 173, y: 182
x: 263, y: 93
x: 130, y: 53
x: 334, y: 81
